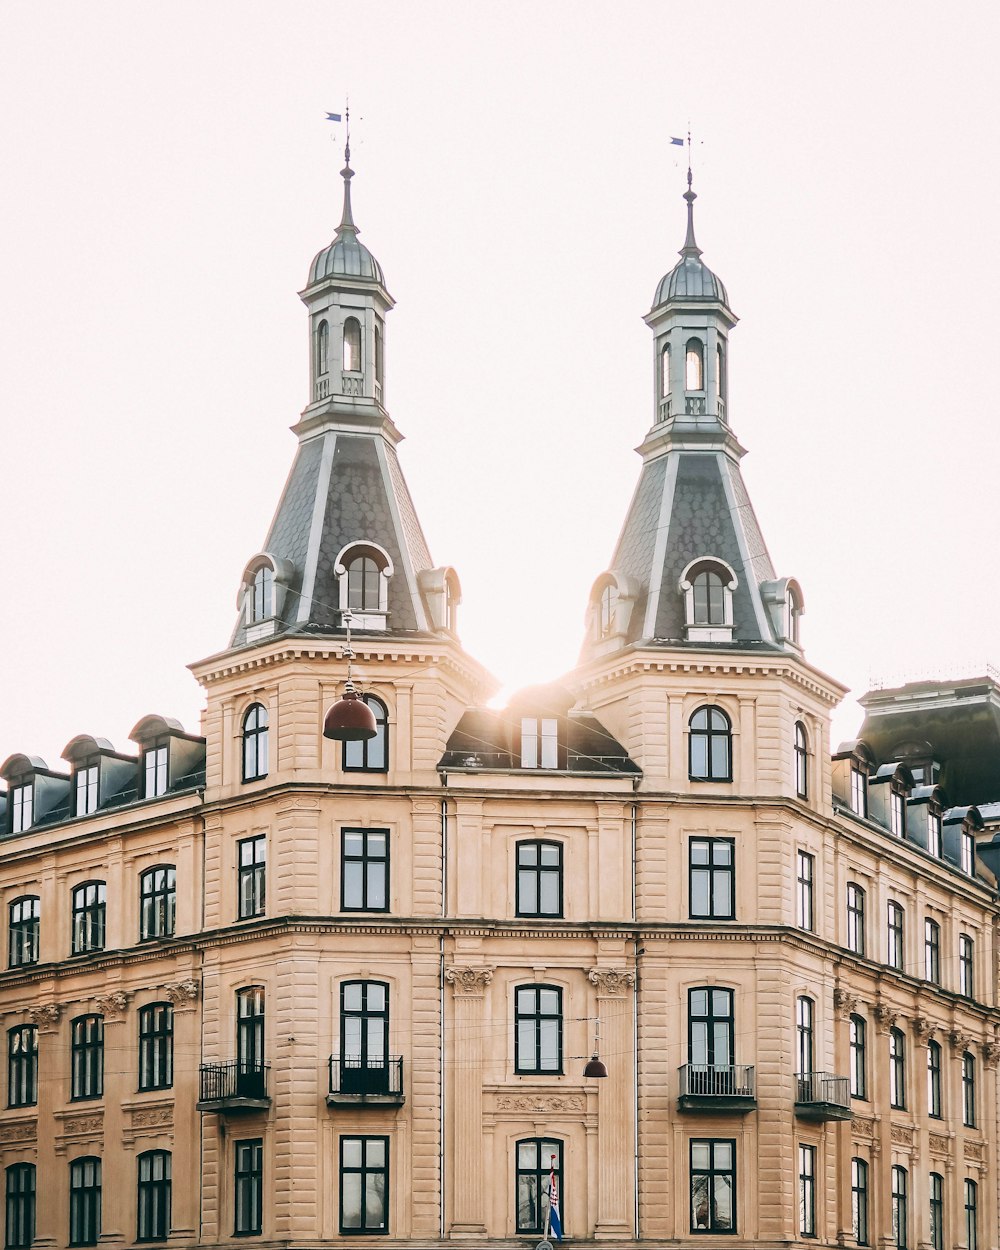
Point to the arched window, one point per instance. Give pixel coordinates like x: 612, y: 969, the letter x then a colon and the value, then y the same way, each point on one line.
x: 720, y: 360
x: 255, y: 743
x: 379, y: 357
x: 707, y: 585
x: 710, y: 745
x: 157, y: 902
x: 84, y: 1201
x: 801, y: 761
x: 372, y: 755
x: 153, y: 1196
x: 23, y: 929
x: 363, y: 585
x: 859, y: 1201
x: 897, y: 1069
x: 793, y: 607
x: 363, y: 571
x: 352, y: 345
x: 20, y: 1206
x: 89, y: 913
x: 364, y: 1037
x: 694, y: 365
x: 859, y: 1062
x: 665, y: 371
x: 250, y: 1041
x: 934, y: 1079
x: 709, y: 598
x: 262, y: 597
x: 971, y: 1215
x: 608, y: 610
x: 538, y: 1159
x: 322, y: 356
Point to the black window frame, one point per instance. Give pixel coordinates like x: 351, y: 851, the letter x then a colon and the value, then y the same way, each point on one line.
x: 364, y: 582
x: 90, y: 911
x: 899, y: 1206
x: 895, y: 920
x: 534, y: 875
x: 365, y: 1171
x: 156, y: 766
x: 897, y: 1070
x: 859, y: 1200
x: 708, y: 733
x: 935, y: 1194
x: 807, y: 1190
x: 368, y: 860
x: 969, y: 1116
x: 856, y: 918
x: 157, y: 902
x: 372, y: 1025
x: 156, y: 1046
x: 966, y: 966
x: 712, y: 870
x: 535, y: 1019
x: 859, y: 789
x: 934, y: 1080
x: 255, y: 743
x: 251, y: 877
x: 85, y: 1201
x: 932, y: 951
x: 801, y: 749
x: 22, y: 1065
x: 363, y: 756
x: 531, y: 1182
x: 248, y: 1187
x: 260, y: 593
x: 20, y: 805
x: 970, y: 1191
x: 154, y: 1195
x: 24, y: 931
x: 20, y: 1206
x: 87, y: 786
x: 711, y: 1022
x: 858, y: 1050
x: 710, y: 1174
x: 805, y: 1034
x: 805, y: 879
x: 86, y: 1058
x: 251, y: 1034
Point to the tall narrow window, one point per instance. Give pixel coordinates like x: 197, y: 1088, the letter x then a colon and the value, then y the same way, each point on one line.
x: 364, y: 870
x: 711, y: 884
x: 262, y: 594
x: 859, y: 789
x: 709, y: 598
x: 364, y: 1185
x: 971, y: 1215
x: 20, y: 1223
x: 897, y: 812
x: 805, y: 1011
x: 538, y: 1029
x: 538, y: 1159
x: 22, y: 1066
x: 87, y: 1057
x: 24, y: 923
x: 379, y: 359
x: 371, y: 755
x: 937, y: 1211
x: 859, y: 1057
x: 967, y: 848
x: 710, y: 745
x: 855, y: 918
x: 22, y: 806
x: 932, y: 951
x: 894, y: 955
x: 156, y: 1046
x: 665, y: 371
x: 85, y: 779
x: 364, y: 1037
x: 153, y: 1196
x: 859, y: 1201
x: 364, y: 585
x: 966, y: 966
x: 255, y: 743
x: 252, y: 883
x: 897, y: 1069
x: 608, y: 610
x: 250, y: 1041
x: 539, y: 742
x: 934, y: 1080
x: 900, y: 1213
x: 89, y: 908
x: 84, y: 1201
x: 969, y: 1090
x: 807, y: 1190
x: 801, y: 761
x: 934, y: 831
x: 539, y: 879
x: 694, y: 365
x: 157, y: 902
x: 322, y: 348
x: 154, y: 770
x: 352, y: 345
x: 249, y: 1188
x: 805, y: 871
x: 711, y: 1037
x: 713, y: 1185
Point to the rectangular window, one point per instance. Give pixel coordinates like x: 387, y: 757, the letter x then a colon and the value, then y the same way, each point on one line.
x: 22, y: 1066
x: 894, y: 955
x: 900, y: 1213
x: 804, y: 1022
x: 89, y: 912
x: 859, y: 1075
x: 934, y: 1080
x: 84, y: 1202
x: 859, y: 791
x: 153, y: 1196
x: 804, y: 887
x: 897, y: 1070
x: 20, y: 1224
x: 364, y: 1185
x: 969, y: 1090
x: 539, y: 742
x: 249, y: 1187
x: 22, y: 803
x: 711, y: 881
x: 971, y: 1215
x: 539, y: 1162
x: 539, y: 879
x: 85, y: 795
x: 154, y: 771
x: 364, y: 870
x: 156, y: 1046
x: 937, y: 1211
x: 967, y: 845
x: 713, y: 1185
x: 855, y: 918
x: 966, y: 966
x: 157, y: 903
x: 934, y: 834
x: 932, y: 951
x: 897, y: 814
x: 252, y: 881
x: 807, y: 1191
x: 538, y: 1029
x: 859, y: 1201
x: 87, y: 1057
x: 24, y: 921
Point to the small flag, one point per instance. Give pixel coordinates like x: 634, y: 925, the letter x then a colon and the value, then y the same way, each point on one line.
x: 335, y: 117
x: 555, y: 1223
x: 677, y: 142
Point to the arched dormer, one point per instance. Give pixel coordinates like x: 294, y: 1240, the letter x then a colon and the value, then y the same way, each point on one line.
x: 707, y: 584
x: 785, y: 604
x: 36, y: 793
x: 609, y: 610
x: 852, y: 765
x: 101, y: 775
x: 363, y: 570
x: 889, y: 788
x: 442, y: 592
x: 261, y: 597
x: 169, y: 758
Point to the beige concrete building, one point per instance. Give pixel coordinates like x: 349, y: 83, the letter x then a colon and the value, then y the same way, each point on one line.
x: 264, y: 984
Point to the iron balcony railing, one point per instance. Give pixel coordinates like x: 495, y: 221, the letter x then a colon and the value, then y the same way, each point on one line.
x: 354, y: 1075
x: 714, y: 1080
x: 822, y: 1087
x: 236, y: 1079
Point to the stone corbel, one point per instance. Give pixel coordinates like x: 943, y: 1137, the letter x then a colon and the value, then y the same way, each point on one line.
x: 183, y: 994
x: 47, y: 1017
x: 611, y: 982
x: 469, y: 981
x: 885, y: 1017
x: 923, y: 1028
x: 113, y: 1006
x: 959, y: 1041
x: 990, y: 1053
x: 844, y: 1004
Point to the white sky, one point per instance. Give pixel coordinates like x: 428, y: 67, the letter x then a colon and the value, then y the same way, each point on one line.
x: 167, y: 176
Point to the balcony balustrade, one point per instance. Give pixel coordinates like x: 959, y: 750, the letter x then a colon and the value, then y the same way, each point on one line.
x: 357, y: 1081
x: 238, y: 1085
x: 822, y: 1096
x: 715, y: 1087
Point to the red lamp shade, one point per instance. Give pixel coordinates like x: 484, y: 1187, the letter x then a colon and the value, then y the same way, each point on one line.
x: 350, y: 719
x: 596, y: 1067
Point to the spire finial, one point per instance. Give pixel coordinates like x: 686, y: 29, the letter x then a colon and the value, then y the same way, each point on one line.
x: 690, y: 247
x: 347, y: 225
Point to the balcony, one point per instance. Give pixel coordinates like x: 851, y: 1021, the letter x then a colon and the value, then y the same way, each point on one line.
x: 361, y: 1082
x: 233, y: 1086
x: 822, y: 1096
x: 714, y: 1087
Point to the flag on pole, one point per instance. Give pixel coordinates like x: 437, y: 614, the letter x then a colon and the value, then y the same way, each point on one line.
x: 333, y: 117
x: 677, y: 142
x: 555, y: 1223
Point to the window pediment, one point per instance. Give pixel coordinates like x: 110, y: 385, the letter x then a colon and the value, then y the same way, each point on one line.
x: 707, y: 584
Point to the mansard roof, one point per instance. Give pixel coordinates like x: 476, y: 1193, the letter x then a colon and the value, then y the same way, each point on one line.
x: 487, y: 740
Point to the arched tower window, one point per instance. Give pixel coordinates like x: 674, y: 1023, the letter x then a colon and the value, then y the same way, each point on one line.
x: 720, y: 360
x: 665, y: 371
x: 707, y: 586
x: 379, y: 358
x: 352, y: 345
x: 371, y: 755
x: 255, y: 743
x: 609, y: 610
x: 794, y: 613
x: 362, y: 585
x: 801, y: 761
x: 322, y: 355
x: 363, y: 570
x: 694, y: 365
x: 710, y: 741
x: 262, y: 602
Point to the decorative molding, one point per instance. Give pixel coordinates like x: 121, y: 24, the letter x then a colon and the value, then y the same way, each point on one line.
x: 959, y: 1041
x: 18, y: 1131
x: 183, y: 993
x: 885, y: 1017
x: 990, y: 1053
x: 923, y: 1028
x: 46, y: 1017
x: 862, y: 1127
x: 469, y: 981
x: 610, y: 982
x: 148, y: 1117
x: 845, y: 1004
x: 974, y: 1150
x: 939, y: 1144
x: 901, y: 1134
x: 113, y: 1006
x: 541, y: 1104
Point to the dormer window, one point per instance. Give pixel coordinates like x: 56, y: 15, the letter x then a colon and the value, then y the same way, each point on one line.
x: 967, y: 852
x: 793, y: 611
x: 322, y: 354
x: 897, y: 810
x: 707, y: 585
x: 934, y: 845
x: 154, y: 770
x: 363, y: 570
x: 352, y: 345
x: 539, y: 742
x: 609, y: 609
x: 85, y: 788
x: 22, y: 805
x: 694, y: 365
x: 262, y: 595
x: 859, y: 788
x: 362, y: 585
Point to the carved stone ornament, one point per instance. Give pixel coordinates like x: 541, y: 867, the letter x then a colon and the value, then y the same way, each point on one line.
x: 885, y: 1017
x: 862, y: 1127
x: 940, y: 1145
x: 468, y: 980
x: 923, y: 1028
x: 19, y: 1131
x: 991, y: 1053
x: 84, y: 1124
x: 959, y: 1041
x: 610, y: 982
x: 46, y: 1017
x: 152, y: 1117
x: 540, y: 1104
x: 901, y: 1134
x: 114, y: 1004
x: 182, y: 992
x: 973, y: 1150
x: 845, y: 1004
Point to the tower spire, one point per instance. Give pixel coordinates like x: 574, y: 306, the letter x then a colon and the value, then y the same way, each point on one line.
x: 690, y: 247
x: 347, y: 226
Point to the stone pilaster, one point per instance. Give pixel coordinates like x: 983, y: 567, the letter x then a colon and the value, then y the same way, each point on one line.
x: 465, y: 1118
x: 50, y: 1219
x: 614, y: 1100
x: 119, y: 1083
x: 184, y: 996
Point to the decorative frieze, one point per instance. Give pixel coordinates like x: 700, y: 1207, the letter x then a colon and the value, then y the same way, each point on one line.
x: 862, y: 1127
x: 541, y: 1104
x: 469, y: 981
x: 610, y: 982
x: 975, y: 1150
x: 46, y: 1017
x: 16, y: 1131
x: 845, y: 1004
x: 901, y: 1134
x: 938, y: 1144
x: 75, y: 1127
x: 113, y: 1006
